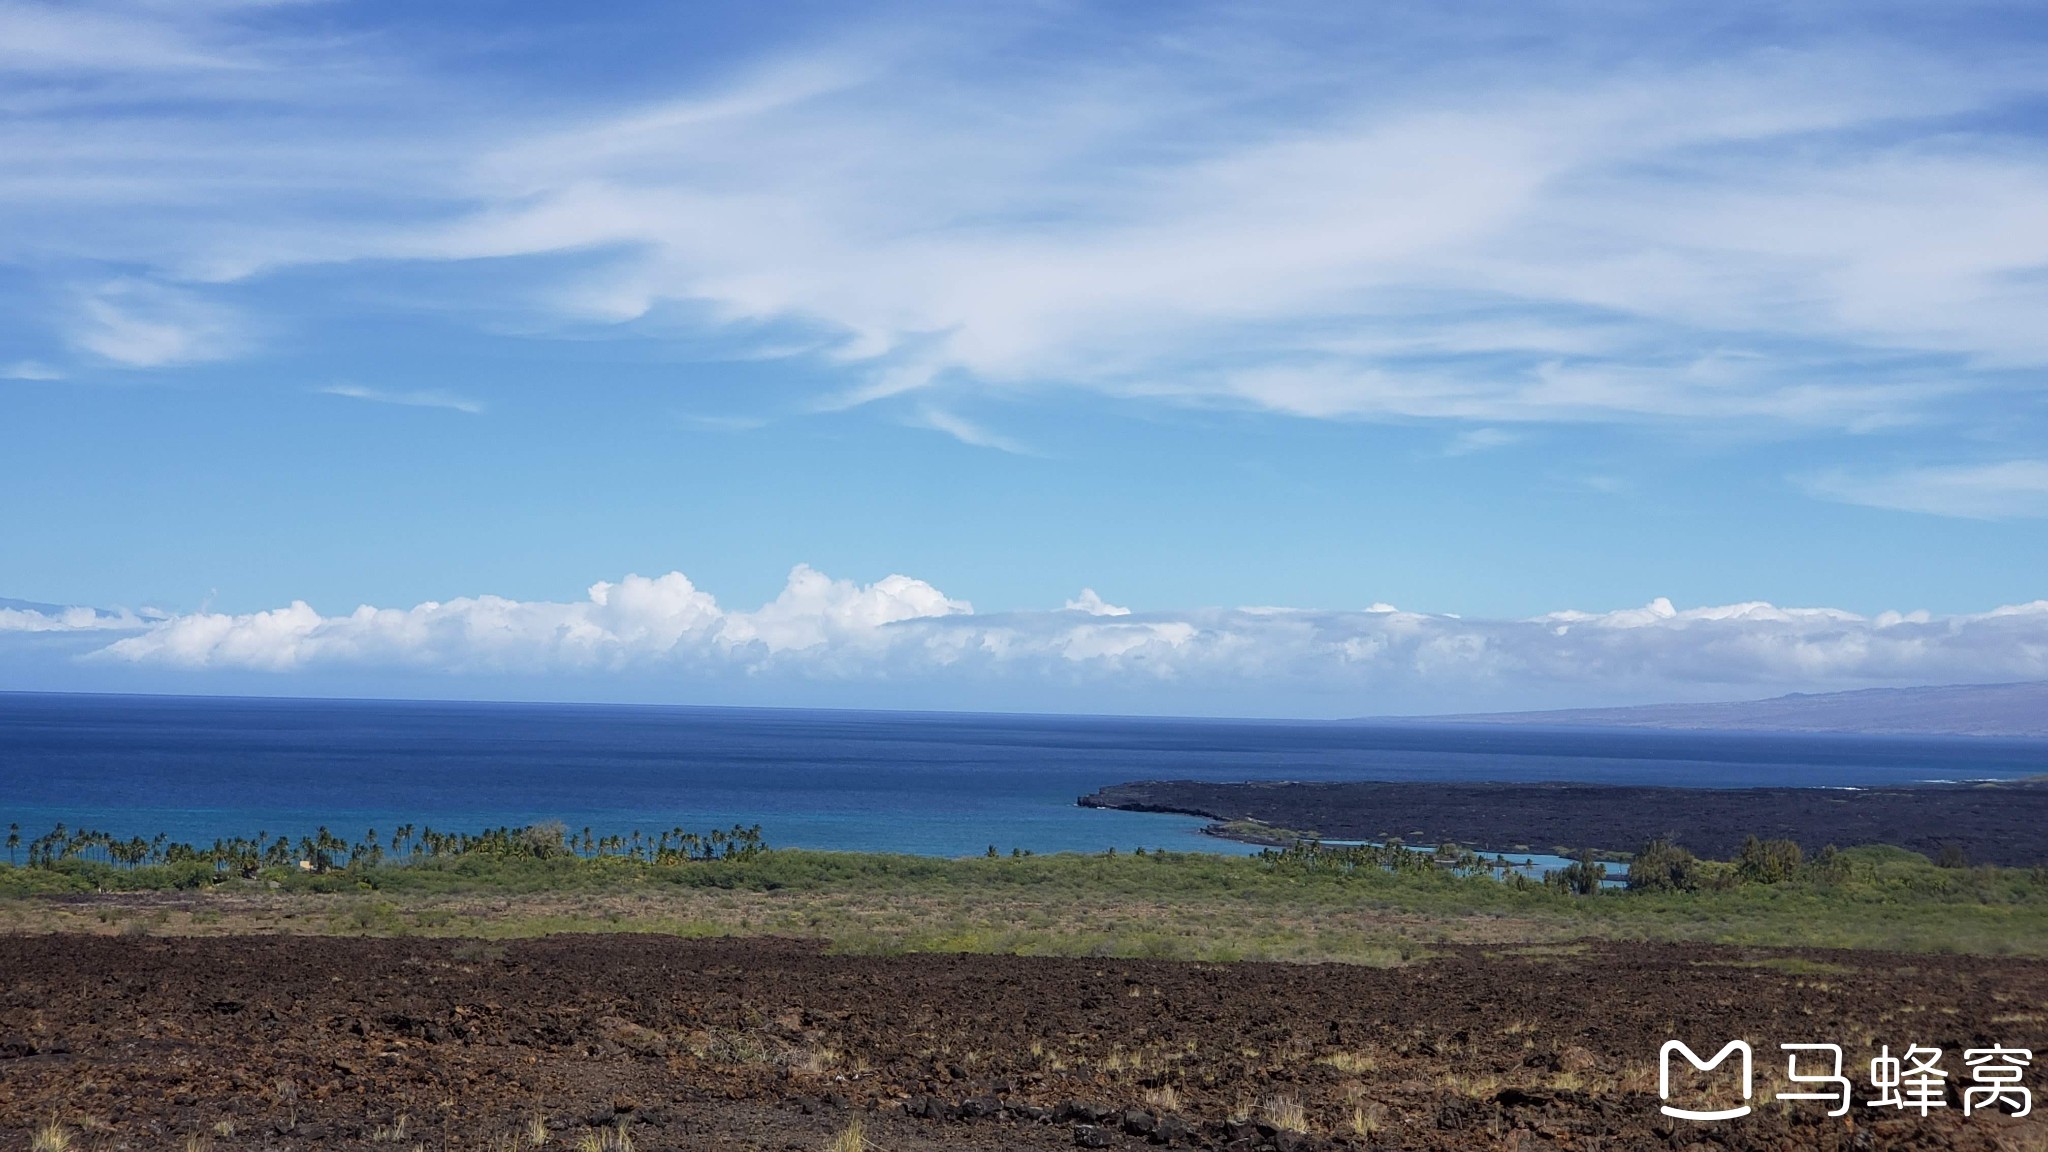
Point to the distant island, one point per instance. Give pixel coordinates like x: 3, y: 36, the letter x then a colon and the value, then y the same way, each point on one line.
x: 2010, y: 710
x: 36, y: 606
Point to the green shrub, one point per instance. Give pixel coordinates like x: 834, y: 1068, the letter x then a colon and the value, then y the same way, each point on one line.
x: 1829, y: 866
x: 1662, y: 866
x: 1767, y: 861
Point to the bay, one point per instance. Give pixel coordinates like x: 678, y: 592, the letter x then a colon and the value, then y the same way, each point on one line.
x: 197, y: 768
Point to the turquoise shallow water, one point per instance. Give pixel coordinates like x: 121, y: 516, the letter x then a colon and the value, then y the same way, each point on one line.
x: 198, y: 768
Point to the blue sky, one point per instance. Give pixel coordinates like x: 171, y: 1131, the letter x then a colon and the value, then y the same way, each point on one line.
x: 1488, y: 314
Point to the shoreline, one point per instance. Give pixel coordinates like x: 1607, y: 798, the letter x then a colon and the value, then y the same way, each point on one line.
x: 1223, y: 831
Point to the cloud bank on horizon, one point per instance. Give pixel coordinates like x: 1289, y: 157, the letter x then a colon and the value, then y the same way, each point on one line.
x: 1829, y: 221
x: 666, y: 636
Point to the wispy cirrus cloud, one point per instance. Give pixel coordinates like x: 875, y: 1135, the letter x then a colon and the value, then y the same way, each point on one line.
x: 2005, y: 489
x: 29, y: 370
x: 72, y: 38
x: 1390, y: 217
x: 419, y: 398
x: 137, y: 324
x: 967, y: 431
x: 1222, y: 269
x: 1480, y: 440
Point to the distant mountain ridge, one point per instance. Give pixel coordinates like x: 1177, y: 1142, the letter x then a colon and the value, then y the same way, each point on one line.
x: 30, y: 606
x: 2015, y: 710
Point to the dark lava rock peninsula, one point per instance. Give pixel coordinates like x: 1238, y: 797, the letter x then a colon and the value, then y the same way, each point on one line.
x: 2004, y: 823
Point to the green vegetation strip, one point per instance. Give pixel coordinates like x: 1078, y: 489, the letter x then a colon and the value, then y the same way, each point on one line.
x: 1307, y: 902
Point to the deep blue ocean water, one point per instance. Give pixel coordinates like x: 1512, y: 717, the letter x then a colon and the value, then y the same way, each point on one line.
x: 943, y: 784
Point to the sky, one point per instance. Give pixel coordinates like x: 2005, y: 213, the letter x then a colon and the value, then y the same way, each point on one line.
x: 1256, y: 359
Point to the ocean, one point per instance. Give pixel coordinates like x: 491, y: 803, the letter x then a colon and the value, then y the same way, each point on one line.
x: 197, y: 768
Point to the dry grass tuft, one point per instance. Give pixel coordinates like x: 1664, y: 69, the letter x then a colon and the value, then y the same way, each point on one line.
x: 1637, y: 1079
x: 852, y: 1138
x: 1164, y: 1098
x: 1369, y: 1120
x: 393, y: 1132
x: 1476, y: 1087
x: 225, y: 1129
x: 723, y: 1046
x: 1285, y: 1113
x: 813, y: 1062
x: 51, y: 1137
x: 536, y: 1132
x: 614, y: 1139
x: 1350, y: 1063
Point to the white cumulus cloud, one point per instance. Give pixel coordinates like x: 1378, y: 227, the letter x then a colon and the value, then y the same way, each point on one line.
x: 636, y: 619
x: 51, y: 618
x: 1095, y: 605
x: 815, y: 611
x: 901, y: 630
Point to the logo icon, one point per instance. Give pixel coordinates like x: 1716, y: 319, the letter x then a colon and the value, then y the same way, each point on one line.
x: 1693, y: 1058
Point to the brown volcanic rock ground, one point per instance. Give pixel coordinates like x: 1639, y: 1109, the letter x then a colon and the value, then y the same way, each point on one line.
x: 318, y: 1043
x: 2004, y: 823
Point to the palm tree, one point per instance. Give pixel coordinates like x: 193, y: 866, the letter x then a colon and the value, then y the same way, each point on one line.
x: 329, y: 847
x: 13, y: 842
